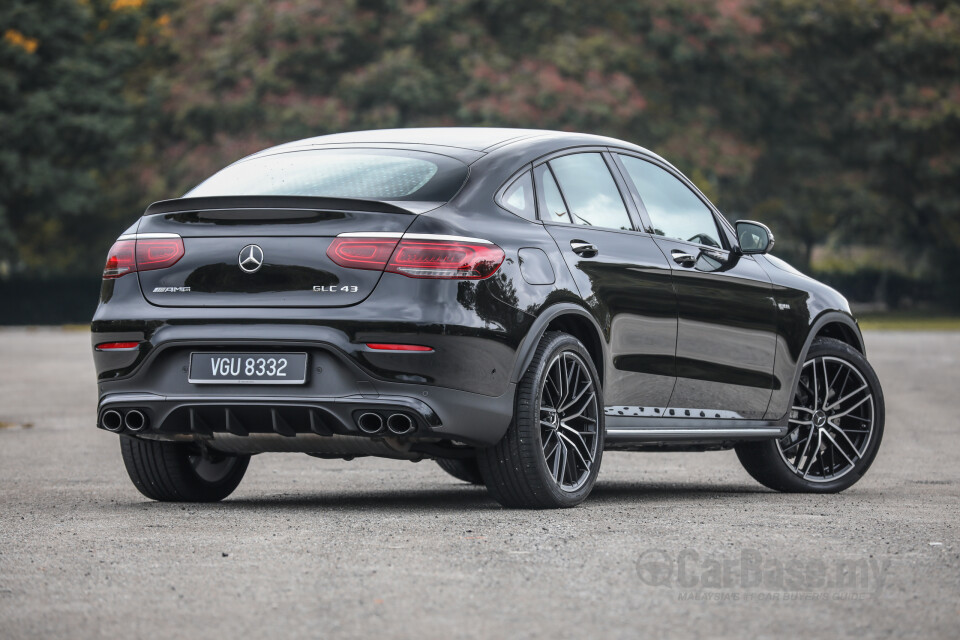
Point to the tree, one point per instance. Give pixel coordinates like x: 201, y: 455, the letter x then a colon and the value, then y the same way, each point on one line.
x: 68, y: 127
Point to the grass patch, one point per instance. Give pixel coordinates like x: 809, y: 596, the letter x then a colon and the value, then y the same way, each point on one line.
x: 908, y: 321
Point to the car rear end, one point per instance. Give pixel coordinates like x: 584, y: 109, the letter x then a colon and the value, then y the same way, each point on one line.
x: 254, y: 315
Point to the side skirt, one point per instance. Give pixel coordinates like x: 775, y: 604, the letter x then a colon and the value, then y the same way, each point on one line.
x: 627, y: 433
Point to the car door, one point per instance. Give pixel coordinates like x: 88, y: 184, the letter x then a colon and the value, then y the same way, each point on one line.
x: 726, y: 334
x: 621, y: 274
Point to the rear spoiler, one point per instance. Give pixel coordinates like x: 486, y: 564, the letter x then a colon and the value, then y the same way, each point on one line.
x: 308, y: 203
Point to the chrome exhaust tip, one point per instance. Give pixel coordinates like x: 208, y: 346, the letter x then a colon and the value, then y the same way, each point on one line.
x: 111, y: 420
x: 370, y: 423
x: 135, y: 420
x: 400, y: 424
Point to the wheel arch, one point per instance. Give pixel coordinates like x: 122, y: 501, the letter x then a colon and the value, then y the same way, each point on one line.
x: 830, y: 324
x: 571, y: 319
x: 841, y: 330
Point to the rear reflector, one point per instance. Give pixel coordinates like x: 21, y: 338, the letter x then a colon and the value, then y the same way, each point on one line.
x: 117, y: 346
x: 380, y: 346
x: 127, y: 256
x: 418, y: 258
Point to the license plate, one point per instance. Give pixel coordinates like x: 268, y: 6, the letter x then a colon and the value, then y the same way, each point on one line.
x: 248, y: 368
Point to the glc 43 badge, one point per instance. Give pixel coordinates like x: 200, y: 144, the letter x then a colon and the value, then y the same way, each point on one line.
x: 352, y: 288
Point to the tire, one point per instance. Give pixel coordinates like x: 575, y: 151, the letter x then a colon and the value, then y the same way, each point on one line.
x: 845, y: 452
x: 177, y: 472
x: 465, y: 469
x: 516, y: 470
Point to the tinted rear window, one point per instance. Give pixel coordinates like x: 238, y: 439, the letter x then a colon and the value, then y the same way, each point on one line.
x: 372, y: 174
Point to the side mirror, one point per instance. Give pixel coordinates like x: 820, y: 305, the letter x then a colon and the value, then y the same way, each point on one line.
x: 754, y: 237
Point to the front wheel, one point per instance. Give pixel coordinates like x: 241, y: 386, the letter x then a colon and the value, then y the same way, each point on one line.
x: 835, y: 425
x: 179, y: 471
x: 550, y: 455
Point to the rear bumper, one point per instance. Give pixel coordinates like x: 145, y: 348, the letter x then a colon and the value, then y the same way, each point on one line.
x: 445, y: 415
x: 461, y: 391
x: 337, y: 391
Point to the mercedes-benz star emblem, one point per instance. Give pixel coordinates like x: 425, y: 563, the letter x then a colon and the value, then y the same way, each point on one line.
x: 251, y: 258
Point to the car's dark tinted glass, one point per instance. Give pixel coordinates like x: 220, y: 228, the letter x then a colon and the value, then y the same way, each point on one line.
x: 519, y: 199
x: 590, y: 192
x: 675, y: 211
x: 374, y: 174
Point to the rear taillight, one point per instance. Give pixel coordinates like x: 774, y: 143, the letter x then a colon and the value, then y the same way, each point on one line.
x: 362, y: 253
x: 158, y: 253
x: 452, y: 259
x: 121, y: 259
x: 439, y: 259
x: 142, y: 254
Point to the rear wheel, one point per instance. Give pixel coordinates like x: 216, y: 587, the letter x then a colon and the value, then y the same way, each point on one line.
x: 465, y: 469
x: 180, y: 472
x: 835, y: 425
x: 550, y: 455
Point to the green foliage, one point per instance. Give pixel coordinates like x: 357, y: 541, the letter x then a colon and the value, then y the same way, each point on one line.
x: 67, y: 124
x: 835, y: 122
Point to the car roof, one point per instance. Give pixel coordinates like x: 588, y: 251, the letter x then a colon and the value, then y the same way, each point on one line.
x: 472, y: 142
x: 471, y: 138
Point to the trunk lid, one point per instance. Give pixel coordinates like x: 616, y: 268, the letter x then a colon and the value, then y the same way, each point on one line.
x: 265, y: 251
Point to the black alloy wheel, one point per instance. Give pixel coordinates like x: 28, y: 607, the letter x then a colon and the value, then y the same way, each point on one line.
x: 835, y: 425
x: 550, y: 456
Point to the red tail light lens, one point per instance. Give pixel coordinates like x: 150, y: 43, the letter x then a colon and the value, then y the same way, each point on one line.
x: 441, y: 259
x: 128, y: 256
x: 158, y: 254
x: 362, y: 253
x: 451, y: 259
x: 121, y: 259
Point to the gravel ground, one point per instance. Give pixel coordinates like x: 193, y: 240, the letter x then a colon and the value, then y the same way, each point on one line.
x: 667, y: 545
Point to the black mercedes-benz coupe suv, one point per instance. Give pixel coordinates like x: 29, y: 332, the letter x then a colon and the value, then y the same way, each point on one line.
x: 509, y: 303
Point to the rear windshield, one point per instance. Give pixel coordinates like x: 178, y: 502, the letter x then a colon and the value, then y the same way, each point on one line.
x: 371, y: 174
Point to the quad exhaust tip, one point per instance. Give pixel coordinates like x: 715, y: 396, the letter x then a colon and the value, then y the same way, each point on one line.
x: 370, y: 423
x: 400, y: 424
x: 135, y: 420
x: 111, y: 420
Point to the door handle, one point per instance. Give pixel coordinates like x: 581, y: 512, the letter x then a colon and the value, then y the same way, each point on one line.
x: 584, y: 249
x: 683, y: 258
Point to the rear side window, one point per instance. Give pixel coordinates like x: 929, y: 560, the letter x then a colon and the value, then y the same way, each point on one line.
x: 592, y: 196
x: 372, y: 174
x: 675, y: 211
x: 518, y: 197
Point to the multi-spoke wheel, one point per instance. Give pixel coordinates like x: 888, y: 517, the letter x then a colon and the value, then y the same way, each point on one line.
x: 835, y: 425
x: 551, y: 453
x: 568, y: 420
x: 178, y: 472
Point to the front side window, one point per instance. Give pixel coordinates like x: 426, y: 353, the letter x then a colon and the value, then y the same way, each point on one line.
x: 590, y: 192
x: 675, y: 211
x: 373, y: 174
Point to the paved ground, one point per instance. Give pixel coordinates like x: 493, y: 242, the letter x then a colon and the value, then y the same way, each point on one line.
x: 371, y: 548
